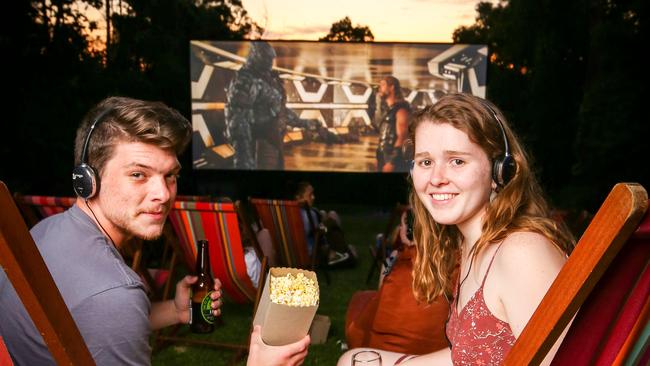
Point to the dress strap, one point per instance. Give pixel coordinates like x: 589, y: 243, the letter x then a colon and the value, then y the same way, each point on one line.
x: 490, y: 265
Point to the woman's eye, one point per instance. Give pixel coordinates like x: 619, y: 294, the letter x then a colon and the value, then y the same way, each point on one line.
x: 424, y: 163
x: 457, y: 162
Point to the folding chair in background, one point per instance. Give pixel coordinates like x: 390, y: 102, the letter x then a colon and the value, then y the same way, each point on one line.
x: 606, y: 280
x: 284, y: 221
x: 217, y: 222
x: 28, y: 273
x: 380, y: 250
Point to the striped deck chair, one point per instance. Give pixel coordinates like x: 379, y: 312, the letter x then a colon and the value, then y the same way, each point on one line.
x: 606, y: 281
x: 36, y: 208
x: 284, y: 221
x: 219, y: 224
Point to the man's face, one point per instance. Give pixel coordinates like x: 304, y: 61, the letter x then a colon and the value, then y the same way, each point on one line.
x: 385, y: 90
x: 308, y: 196
x: 138, y: 186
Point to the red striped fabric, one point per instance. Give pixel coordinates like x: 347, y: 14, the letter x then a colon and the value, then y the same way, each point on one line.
x: 46, y: 206
x: 609, y: 313
x: 5, y: 358
x: 284, y: 222
x: 217, y: 223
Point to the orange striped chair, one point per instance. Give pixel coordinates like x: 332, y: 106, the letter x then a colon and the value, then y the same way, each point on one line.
x: 284, y: 221
x: 36, y: 208
x: 219, y: 224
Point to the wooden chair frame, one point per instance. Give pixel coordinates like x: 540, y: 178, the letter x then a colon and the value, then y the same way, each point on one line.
x: 610, y: 228
x: 28, y: 273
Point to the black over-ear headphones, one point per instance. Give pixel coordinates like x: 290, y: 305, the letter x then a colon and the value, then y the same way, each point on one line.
x: 85, y: 180
x: 503, y: 169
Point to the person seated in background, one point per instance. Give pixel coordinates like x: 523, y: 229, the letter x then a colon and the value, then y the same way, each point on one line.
x: 477, y: 203
x: 391, y: 318
x: 131, y: 147
x: 339, y: 253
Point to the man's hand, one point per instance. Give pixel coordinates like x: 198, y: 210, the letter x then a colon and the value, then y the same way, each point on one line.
x: 182, y: 298
x: 262, y: 354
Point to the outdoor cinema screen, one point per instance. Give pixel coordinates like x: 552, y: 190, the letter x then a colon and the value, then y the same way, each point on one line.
x: 319, y: 106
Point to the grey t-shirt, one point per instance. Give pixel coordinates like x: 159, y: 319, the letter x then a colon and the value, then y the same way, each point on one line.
x: 106, y: 298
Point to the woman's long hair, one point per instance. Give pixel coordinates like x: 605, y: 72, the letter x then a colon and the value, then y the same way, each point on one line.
x: 518, y: 206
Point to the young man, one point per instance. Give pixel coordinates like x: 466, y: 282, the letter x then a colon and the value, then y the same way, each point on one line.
x: 126, y: 154
x: 393, y: 127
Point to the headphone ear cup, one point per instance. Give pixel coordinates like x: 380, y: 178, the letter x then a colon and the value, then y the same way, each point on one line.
x: 496, y: 172
x: 503, y: 170
x: 84, y: 181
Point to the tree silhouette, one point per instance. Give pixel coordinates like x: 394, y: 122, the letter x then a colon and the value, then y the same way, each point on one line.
x: 568, y: 76
x: 57, y: 76
x: 343, y: 31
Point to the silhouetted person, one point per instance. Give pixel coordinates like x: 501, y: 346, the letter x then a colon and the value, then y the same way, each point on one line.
x: 256, y: 114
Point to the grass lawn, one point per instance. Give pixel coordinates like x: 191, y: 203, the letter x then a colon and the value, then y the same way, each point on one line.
x: 360, y: 224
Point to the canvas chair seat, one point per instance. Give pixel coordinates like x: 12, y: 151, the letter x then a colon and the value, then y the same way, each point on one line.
x: 284, y: 221
x: 218, y: 223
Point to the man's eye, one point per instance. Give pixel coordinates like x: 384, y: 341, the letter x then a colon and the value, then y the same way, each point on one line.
x: 137, y: 175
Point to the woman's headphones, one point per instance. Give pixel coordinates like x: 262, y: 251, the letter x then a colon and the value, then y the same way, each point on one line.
x: 85, y: 180
x: 503, y: 169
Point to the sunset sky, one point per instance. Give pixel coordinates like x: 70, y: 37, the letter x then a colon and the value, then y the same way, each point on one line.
x: 389, y: 20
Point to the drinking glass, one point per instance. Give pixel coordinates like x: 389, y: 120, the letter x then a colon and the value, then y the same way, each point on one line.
x: 366, y: 358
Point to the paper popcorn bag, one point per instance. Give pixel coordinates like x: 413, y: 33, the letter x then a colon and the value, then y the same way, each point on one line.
x: 288, y: 304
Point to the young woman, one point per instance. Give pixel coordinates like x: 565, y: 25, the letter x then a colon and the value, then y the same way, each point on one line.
x: 477, y: 203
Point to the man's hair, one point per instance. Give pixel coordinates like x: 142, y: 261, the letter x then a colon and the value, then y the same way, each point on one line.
x: 397, y: 89
x: 130, y: 120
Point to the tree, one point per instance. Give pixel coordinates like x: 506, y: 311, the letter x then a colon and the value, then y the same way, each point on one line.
x: 568, y: 76
x: 57, y: 76
x: 343, y: 31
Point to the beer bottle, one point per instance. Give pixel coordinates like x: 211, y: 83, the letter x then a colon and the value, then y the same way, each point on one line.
x: 201, y: 317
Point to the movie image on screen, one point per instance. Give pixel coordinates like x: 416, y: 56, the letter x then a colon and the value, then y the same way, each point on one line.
x: 319, y: 106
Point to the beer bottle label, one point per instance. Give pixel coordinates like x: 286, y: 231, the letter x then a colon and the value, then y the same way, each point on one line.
x: 206, y: 308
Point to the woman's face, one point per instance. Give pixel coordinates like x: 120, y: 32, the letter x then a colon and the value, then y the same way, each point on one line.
x: 452, y: 175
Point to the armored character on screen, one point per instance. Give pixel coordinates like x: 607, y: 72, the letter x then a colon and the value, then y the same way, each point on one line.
x: 393, y: 127
x: 256, y: 114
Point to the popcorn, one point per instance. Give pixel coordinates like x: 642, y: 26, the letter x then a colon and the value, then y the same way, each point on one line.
x: 294, y: 290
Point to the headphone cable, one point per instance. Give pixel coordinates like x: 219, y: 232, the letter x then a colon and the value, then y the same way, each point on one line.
x: 99, y: 223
